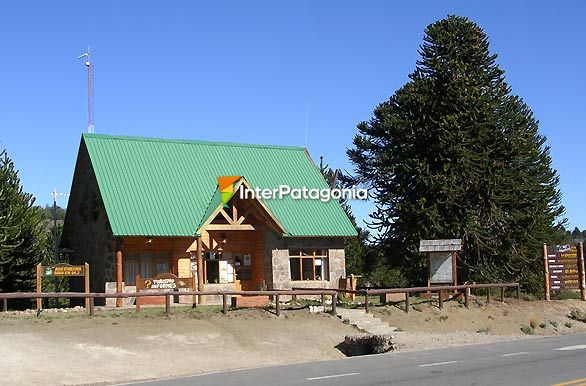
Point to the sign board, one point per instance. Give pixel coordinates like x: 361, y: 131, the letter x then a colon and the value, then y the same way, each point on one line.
x: 63, y: 270
x: 184, y: 267
x: 441, y: 267
x: 165, y: 281
x: 562, y: 261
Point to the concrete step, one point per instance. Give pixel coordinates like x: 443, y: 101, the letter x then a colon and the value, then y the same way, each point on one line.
x: 365, y: 322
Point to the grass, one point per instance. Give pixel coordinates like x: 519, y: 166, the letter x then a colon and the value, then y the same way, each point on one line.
x: 566, y: 295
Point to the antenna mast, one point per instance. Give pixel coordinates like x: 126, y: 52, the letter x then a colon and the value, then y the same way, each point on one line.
x: 90, y: 90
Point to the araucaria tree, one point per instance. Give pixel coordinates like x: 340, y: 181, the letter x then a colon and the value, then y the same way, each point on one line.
x: 454, y: 154
x: 21, y: 245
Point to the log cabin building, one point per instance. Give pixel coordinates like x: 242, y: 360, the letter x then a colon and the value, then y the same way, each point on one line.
x: 147, y: 206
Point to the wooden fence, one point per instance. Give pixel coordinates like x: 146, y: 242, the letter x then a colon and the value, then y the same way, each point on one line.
x: 276, y: 294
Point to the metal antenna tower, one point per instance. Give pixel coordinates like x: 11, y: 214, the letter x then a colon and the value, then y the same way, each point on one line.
x: 90, y: 90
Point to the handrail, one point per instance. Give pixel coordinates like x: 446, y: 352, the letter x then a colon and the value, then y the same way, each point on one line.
x: 274, y: 293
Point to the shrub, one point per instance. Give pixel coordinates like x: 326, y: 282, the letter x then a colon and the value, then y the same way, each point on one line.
x: 534, y: 322
x: 443, y: 317
x: 566, y: 295
x: 485, y: 330
x: 542, y: 325
x: 578, y: 315
x: 528, y: 330
x: 568, y: 324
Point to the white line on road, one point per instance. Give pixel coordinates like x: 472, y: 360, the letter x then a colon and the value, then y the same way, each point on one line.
x: 332, y: 376
x: 570, y: 348
x: 514, y: 354
x: 437, y: 364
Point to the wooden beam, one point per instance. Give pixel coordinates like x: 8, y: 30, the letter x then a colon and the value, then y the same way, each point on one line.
x: 119, y: 275
x: 228, y: 218
x: 228, y: 227
x: 199, y: 269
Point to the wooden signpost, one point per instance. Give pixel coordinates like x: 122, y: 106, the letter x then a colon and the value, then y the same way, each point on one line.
x: 162, y: 282
x: 63, y: 270
x: 564, y: 269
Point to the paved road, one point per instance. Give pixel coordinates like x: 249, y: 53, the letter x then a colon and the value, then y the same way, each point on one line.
x: 541, y: 361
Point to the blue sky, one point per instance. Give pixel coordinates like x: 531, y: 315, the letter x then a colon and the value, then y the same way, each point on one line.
x: 243, y: 71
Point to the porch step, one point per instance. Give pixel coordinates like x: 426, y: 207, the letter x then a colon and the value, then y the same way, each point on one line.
x: 365, y: 322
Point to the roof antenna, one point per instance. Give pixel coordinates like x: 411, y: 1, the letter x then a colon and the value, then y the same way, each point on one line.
x: 90, y: 90
x: 306, y: 122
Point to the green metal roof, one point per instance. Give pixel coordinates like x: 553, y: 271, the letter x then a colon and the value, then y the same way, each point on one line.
x: 163, y: 187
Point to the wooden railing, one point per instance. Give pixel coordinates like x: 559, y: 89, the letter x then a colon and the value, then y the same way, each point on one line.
x: 276, y: 294
x: 465, y: 288
x: 168, y: 294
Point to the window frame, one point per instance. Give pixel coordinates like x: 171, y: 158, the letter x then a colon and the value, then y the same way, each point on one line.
x: 313, y: 255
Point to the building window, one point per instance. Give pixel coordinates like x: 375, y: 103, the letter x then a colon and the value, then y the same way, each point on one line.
x: 309, y: 265
x: 147, y: 264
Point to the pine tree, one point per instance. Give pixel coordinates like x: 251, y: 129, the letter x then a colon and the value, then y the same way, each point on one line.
x: 21, y: 239
x: 454, y: 154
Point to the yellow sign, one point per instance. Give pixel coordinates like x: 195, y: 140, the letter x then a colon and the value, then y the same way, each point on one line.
x: 63, y: 270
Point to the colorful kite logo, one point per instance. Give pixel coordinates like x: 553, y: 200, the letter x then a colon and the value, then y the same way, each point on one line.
x: 226, y: 186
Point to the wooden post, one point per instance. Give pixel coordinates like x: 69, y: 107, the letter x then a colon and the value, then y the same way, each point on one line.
x: 407, y: 305
x: 39, y: 300
x: 277, y: 305
x: 90, y: 305
x: 137, y: 300
x: 467, y: 297
x: 323, y: 301
x: 488, y: 295
x: 546, y: 273
x: 502, y: 294
x: 119, y: 275
x: 5, y: 305
x: 86, y: 283
x: 199, y: 269
x: 440, y: 299
x: 581, y: 272
x: 519, y: 292
x: 334, y: 301
x: 168, y: 304
x: 366, y: 302
x: 225, y: 304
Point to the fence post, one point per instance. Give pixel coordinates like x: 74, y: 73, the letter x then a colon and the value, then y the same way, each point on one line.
x: 488, y: 295
x: 91, y: 305
x: 440, y: 299
x: 366, y: 309
x: 502, y: 294
x: 277, y: 305
x: 224, y: 304
x: 5, y: 305
x: 334, y: 301
x: 519, y: 292
x: 167, y: 304
x: 323, y: 301
x: 467, y: 297
x: 407, y: 305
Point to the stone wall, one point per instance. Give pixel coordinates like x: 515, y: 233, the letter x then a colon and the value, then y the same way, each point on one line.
x: 277, y: 270
x: 87, y: 232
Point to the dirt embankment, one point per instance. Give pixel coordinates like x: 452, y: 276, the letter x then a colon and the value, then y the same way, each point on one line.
x: 70, y: 348
x: 426, y: 326
x: 78, y: 350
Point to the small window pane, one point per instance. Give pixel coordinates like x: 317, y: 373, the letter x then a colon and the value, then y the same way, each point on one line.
x: 213, y: 271
x: 294, y: 266
x: 146, y: 265
x: 130, y: 271
x: 307, y: 266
